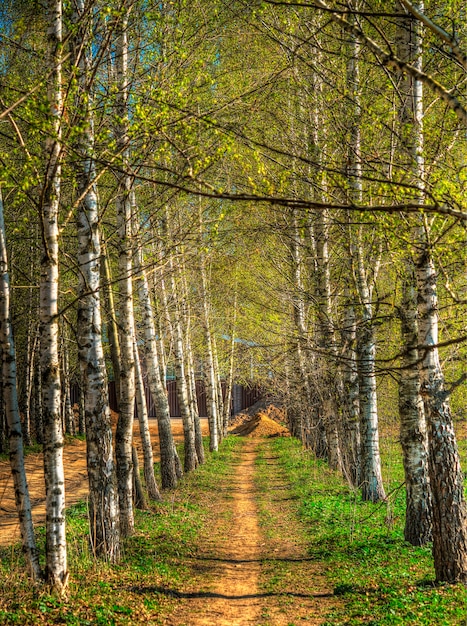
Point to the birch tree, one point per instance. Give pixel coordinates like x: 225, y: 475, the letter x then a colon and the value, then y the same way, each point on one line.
x: 103, y: 505
x: 414, y: 442
x: 148, y: 469
x: 56, y: 570
x: 124, y: 433
x: 156, y: 382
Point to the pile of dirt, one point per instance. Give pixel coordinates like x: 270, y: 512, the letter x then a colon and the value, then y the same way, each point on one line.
x: 257, y: 425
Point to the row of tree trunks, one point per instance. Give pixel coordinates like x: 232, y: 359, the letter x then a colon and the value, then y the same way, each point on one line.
x: 10, y: 398
x: 168, y: 451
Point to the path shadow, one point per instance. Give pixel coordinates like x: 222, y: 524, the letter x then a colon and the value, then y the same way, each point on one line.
x: 173, y: 593
x: 266, y: 559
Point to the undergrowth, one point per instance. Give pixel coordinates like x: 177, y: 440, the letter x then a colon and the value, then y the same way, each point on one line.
x: 380, y: 578
x: 143, y: 587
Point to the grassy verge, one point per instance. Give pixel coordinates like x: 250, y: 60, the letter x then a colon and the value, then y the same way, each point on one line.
x: 142, y: 588
x: 379, y: 577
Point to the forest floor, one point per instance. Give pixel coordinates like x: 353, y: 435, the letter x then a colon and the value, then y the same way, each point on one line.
x: 250, y: 536
x: 76, y: 484
x: 263, y: 533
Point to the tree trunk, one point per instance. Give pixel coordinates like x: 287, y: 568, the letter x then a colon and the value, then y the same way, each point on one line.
x: 68, y: 418
x: 138, y: 492
x: 230, y: 376
x: 10, y: 397
x: 38, y: 413
x: 94, y: 402
x: 371, y: 479
x: 351, y: 399
x: 446, y: 478
x: 304, y: 426
x: 414, y: 442
x: 56, y: 570
x: 191, y: 459
x: 81, y: 409
x: 194, y: 402
x: 413, y: 434
x: 210, y: 380
x: 124, y: 433
x: 31, y: 355
x: 111, y: 319
x: 370, y: 469
x: 148, y: 469
x: 220, y: 398
x: 169, y: 330
x: 326, y: 370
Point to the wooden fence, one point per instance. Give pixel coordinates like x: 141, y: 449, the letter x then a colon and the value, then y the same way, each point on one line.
x: 242, y: 397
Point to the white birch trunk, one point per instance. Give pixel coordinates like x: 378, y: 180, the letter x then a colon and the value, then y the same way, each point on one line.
x: 56, y: 570
x: 446, y: 477
x: 191, y: 459
x: 371, y: 479
x: 194, y: 404
x: 10, y: 398
x: 211, y: 390
x: 68, y: 418
x: 370, y: 469
x: 413, y: 431
x: 302, y: 423
x: 220, y: 398
x: 327, y: 370
x: 351, y: 390
x: 124, y: 433
x: 31, y: 355
x: 190, y: 366
x: 38, y: 414
x: 103, y: 505
x: 230, y: 376
x: 170, y: 331
x: 148, y: 469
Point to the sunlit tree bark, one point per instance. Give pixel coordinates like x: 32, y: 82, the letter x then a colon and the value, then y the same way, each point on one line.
x: 156, y: 383
x: 124, y: 433
x: 446, y: 477
x: 56, y: 546
x: 148, y: 468
x: 414, y: 442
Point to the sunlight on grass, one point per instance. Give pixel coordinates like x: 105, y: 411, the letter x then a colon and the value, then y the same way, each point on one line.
x: 381, y: 578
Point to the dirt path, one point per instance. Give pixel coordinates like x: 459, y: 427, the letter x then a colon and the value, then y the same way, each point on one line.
x: 230, y: 594
x: 253, y: 567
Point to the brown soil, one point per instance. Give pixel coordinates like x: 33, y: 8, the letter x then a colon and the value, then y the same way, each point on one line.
x: 265, y: 421
x: 238, y: 559
x: 76, y: 488
x: 230, y: 560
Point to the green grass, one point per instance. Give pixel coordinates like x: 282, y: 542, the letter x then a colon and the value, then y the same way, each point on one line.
x: 380, y: 578
x: 142, y: 588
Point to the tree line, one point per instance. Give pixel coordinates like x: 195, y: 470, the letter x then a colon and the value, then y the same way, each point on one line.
x: 179, y: 175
